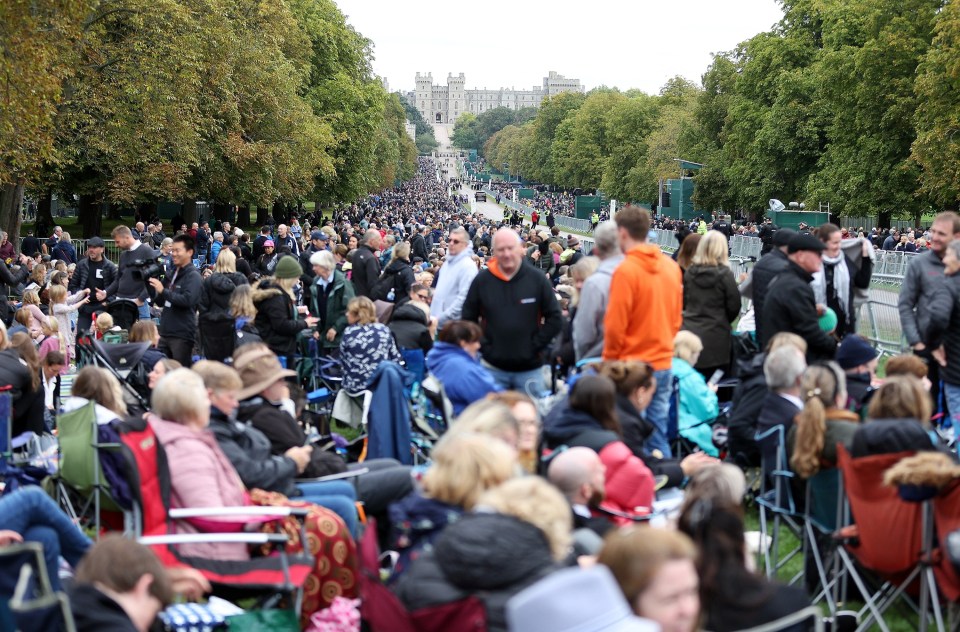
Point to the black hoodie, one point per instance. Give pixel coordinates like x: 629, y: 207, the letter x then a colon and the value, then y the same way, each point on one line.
x: 93, y: 611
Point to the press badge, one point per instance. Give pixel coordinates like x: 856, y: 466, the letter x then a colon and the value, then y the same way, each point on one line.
x: 99, y: 273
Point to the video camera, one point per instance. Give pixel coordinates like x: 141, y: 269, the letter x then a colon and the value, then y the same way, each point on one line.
x: 146, y: 269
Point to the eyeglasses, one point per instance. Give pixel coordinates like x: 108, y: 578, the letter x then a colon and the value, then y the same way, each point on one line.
x: 454, y: 241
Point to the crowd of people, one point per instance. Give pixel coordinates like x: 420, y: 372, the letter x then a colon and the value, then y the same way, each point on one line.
x: 561, y: 368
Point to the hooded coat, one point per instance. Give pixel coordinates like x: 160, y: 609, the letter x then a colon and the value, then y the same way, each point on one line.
x: 711, y: 302
x: 645, y: 308
x: 464, y: 379
x: 277, y: 321
x: 216, y: 324
x: 490, y: 556
x: 519, y: 316
x: 410, y: 326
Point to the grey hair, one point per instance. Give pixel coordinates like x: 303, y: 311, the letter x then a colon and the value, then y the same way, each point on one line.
x: 783, y: 368
x: 462, y: 232
x: 370, y: 234
x: 324, y: 259
x: 218, y: 235
x: 605, y: 241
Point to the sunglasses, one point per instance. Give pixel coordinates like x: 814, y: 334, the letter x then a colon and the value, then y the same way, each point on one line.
x: 454, y: 241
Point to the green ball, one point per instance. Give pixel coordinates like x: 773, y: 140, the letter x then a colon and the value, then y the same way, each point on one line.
x: 828, y: 322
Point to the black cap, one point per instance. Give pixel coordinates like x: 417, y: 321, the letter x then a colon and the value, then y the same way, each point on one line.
x: 783, y: 236
x: 95, y: 242
x: 805, y: 242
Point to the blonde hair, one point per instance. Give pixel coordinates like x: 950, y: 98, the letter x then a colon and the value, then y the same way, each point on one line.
x: 400, y: 251
x: 52, y: 328
x: 4, y: 338
x: 24, y: 317
x: 534, y: 500
x: 787, y: 339
x: 226, y: 261
x: 57, y: 293
x: 104, y: 322
x: 464, y: 466
x: 241, y: 302
x: 100, y: 386
x: 724, y: 483
x: 635, y: 555
x: 286, y: 285
x: 218, y: 376
x: 712, y: 250
x: 901, y: 397
x: 686, y: 345
x: 821, y: 386
x: 180, y: 396
x: 487, y: 417
x: 363, y: 309
x: 31, y: 297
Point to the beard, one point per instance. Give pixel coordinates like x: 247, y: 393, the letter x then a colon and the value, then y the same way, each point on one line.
x: 596, y: 497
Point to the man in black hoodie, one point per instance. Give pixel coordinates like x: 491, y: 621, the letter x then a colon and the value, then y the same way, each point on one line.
x: 179, y: 297
x: 515, y: 305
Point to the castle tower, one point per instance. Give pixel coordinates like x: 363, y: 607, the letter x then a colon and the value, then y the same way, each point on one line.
x: 424, y: 95
x: 457, y: 102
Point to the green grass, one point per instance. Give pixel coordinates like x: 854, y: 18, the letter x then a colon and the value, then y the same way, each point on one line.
x: 898, y: 619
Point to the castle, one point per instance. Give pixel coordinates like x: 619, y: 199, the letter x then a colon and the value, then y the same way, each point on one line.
x: 444, y: 104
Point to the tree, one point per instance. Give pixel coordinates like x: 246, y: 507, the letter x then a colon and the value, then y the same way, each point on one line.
x: 582, y: 142
x: 426, y: 143
x: 37, y: 53
x: 936, y: 148
x: 553, y: 111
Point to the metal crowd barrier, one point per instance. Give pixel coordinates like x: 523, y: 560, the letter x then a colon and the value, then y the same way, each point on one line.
x: 111, y: 250
x: 563, y: 221
x: 879, y: 322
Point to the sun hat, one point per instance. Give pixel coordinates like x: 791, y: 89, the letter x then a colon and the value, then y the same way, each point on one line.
x: 259, y: 369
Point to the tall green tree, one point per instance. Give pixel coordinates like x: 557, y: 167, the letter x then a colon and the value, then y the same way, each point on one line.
x: 936, y: 148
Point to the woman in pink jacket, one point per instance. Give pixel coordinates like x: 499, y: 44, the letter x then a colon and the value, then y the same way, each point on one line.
x: 202, y: 476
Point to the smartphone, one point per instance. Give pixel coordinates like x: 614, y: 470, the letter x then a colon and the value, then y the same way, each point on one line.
x: 716, y: 377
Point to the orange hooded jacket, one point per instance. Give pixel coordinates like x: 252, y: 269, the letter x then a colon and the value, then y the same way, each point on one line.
x: 645, y: 309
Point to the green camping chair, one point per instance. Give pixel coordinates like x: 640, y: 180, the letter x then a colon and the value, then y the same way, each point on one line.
x: 80, y: 486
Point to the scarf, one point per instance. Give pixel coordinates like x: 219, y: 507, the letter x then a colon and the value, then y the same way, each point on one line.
x: 841, y: 282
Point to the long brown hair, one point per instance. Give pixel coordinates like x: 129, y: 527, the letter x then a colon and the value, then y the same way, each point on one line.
x: 596, y: 395
x: 820, y: 386
x: 688, y: 248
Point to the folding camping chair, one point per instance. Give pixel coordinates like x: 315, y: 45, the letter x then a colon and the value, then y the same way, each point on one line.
x: 79, y: 485
x: 277, y: 575
x: 891, y: 539
x: 27, y: 600
x: 776, y: 504
x: 823, y: 512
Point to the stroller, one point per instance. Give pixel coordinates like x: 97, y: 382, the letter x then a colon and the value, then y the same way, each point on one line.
x: 124, y: 312
x: 123, y: 361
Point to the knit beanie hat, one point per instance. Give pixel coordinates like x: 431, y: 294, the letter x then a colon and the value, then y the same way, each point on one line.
x: 288, y: 268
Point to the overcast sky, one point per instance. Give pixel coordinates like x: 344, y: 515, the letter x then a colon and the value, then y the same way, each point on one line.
x: 513, y: 43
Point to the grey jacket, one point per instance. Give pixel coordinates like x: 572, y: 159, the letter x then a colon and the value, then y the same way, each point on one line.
x: 453, y: 282
x: 923, y: 280
x: 588, y: 320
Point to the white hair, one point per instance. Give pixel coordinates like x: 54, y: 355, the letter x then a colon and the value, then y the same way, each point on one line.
x: 324, y: 259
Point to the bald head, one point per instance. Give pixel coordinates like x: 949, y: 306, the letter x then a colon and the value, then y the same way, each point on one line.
x: 578, y: 473
x: 508, y: 249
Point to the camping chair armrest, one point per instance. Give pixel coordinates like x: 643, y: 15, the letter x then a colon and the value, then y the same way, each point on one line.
x: 253, y: 510
x: 107, y: 446
x: 335, y: 477
x: 198, y: 538
x: 769, y: 432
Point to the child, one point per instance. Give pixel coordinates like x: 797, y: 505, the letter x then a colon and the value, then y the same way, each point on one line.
x: 23, y: 322
x: 53, y: 341
x: 104, y: 323
x: 31, y: 303
x: 60, y: 309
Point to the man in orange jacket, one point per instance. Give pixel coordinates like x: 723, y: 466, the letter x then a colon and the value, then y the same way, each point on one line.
x: 644, y: 313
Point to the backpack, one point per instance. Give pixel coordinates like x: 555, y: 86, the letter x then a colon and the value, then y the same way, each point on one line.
x: 381, y: 289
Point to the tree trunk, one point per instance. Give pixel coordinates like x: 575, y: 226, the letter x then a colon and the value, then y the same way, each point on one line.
x: 279, y: 213
x: 89, y: 215
x: 11, y: 199
x: 44, y: 214
x: 243, y: 216
x: 883, y: 219
x: 262, y: 212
